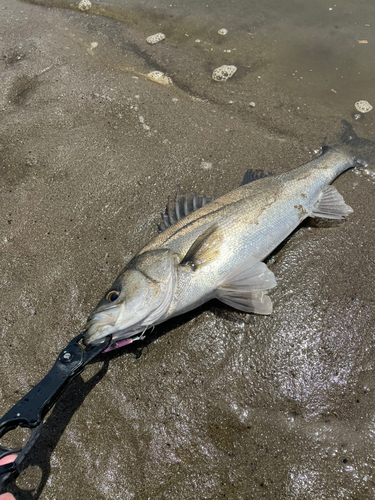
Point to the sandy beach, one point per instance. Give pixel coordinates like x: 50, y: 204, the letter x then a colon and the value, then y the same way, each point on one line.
x: 215, y: 404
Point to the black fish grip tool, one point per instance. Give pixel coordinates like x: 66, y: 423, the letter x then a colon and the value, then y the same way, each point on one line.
x: 30, y: 410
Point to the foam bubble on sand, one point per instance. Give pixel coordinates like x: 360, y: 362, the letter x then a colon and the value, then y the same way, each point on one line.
x: 155, y: 38
x: 223, y: 73
x: 84, y: 5
x: 363, y: 106
x: 206, y: 165
x: 159, y: 77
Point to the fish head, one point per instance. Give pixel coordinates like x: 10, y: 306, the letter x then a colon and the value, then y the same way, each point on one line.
x: 139, y: 298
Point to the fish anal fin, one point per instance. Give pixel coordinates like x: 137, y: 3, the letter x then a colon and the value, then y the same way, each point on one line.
x: 182, y: 206
x: 205, y: 248
x: 250, y: 302
x: 246, y: 288
x: 331, y: 205
x: 253, y: 175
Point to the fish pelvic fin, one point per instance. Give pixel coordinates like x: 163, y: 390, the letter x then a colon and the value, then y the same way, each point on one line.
x: 331, y: 205
x: 246, y: 288
x: 182, y: 206
x: 253, y: 175
x: 205, y: 248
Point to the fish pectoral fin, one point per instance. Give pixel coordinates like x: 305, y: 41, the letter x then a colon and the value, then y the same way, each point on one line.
x: 253, y: 175
x: 331, y: 205
x: 205, y: 248
x: 246, y: 288
x: 182, y: 206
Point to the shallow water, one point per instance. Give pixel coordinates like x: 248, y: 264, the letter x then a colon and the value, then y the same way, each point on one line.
x: 219, y: 404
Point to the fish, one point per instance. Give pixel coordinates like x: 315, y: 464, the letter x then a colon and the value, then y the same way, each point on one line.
x: 215, y: 248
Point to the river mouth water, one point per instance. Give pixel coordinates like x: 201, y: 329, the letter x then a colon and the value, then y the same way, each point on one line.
x: 219, y: 404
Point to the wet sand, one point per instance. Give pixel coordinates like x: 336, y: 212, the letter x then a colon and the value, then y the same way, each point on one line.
x: 215, y: 404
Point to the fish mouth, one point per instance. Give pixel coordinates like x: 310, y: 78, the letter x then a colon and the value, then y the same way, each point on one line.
x: 108, y: 322
x: 100, y: 325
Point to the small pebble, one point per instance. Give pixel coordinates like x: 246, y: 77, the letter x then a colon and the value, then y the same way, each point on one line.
x: 222, y: 31
x: 252, y: 104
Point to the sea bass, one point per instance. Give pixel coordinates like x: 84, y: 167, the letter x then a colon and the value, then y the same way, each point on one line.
x: 215, y: 248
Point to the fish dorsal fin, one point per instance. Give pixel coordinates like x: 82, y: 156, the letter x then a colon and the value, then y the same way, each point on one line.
x: 205, y: 248
x: 253, y: 175
x: 182, y: 206
x: 331, y: 205
x: 246, y: 288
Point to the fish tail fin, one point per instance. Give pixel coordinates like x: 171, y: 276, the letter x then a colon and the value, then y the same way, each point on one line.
x: 361, y: 150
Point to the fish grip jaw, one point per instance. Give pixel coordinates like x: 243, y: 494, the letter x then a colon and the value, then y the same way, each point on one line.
x: 32, y: 408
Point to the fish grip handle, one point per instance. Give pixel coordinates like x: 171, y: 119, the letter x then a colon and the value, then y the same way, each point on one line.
x: 32, y: 408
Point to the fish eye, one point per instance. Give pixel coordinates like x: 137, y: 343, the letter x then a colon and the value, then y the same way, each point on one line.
x: 112, y: 296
